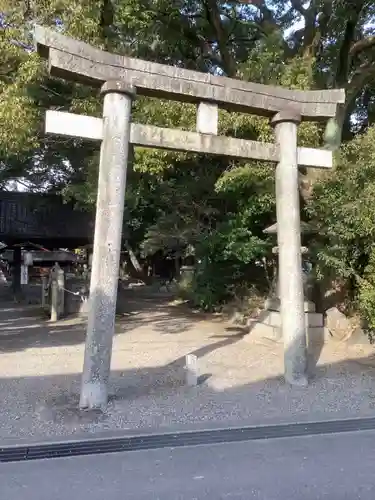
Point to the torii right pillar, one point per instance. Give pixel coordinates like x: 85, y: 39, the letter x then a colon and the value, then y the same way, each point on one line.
x: 289, y: 243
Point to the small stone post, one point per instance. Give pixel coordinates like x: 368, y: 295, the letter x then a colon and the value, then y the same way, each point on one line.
x: 289, y: 243
x: 16, y: 278
x: 60, y: 278
x: 57, y: 292
x: 44, y: 287
x: 54, y: 296
x: 118, y: 97
x: 191, y: 370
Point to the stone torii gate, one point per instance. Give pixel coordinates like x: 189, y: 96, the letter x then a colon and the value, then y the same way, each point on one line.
x: 119, y: 78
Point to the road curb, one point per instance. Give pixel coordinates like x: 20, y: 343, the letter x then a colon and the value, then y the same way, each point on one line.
x: 69, y: 447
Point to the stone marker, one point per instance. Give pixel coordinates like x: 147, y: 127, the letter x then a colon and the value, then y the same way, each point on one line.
x: 16, y: 270
x: 54, y: 297
x: 57, y: 292
x: 191, y: 370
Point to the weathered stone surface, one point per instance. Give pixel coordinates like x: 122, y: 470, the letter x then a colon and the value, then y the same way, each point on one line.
x: 312, y: 319
x: 89, y: 127
x: 305, y: 228
x: 291, y: 291
x: 47, y: 39
x: 76, y: 68
x: 339, y: 326
x: 318, y: 334
x: 359, y: 337
x: 273, y: 304
x: 258, y: 330
x: 119, y: 87
x: 191, y: 370
x: 107, y: 247
x: 238, y: 318
x: 164, y: 138
x: 78, y: 61
x: 207, y: 118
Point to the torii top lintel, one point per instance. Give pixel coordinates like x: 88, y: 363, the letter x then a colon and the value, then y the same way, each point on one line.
x: 78, y: 61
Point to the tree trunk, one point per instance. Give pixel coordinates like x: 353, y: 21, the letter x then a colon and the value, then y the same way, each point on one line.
x: 177, y: 267
x: 133, y: 259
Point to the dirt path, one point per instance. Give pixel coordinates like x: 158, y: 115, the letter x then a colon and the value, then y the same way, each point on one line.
x: 241, y: 379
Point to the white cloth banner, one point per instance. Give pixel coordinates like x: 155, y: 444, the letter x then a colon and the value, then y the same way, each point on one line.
x: 24, y: 275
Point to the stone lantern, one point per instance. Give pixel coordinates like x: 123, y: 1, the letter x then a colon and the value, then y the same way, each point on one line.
x: 273, y: 302
x: 269, y: 321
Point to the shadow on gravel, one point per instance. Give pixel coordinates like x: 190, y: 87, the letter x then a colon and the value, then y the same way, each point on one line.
x: 157, y: 397
x: 23, y: 327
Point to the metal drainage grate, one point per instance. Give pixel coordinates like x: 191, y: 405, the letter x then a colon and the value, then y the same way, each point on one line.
x: 192, y: 438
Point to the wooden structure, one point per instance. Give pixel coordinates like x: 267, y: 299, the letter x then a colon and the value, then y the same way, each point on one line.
x: 29, y: 219
x: 120, y: 78
x: 43, y: 219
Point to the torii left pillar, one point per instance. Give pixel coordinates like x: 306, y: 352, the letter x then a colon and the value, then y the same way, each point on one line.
x: 118, y: 97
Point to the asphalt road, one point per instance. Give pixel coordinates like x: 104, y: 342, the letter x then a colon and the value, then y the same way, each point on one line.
x: 335, y: 467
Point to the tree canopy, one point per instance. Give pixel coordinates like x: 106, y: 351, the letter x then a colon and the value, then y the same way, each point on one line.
x: 220, y: 207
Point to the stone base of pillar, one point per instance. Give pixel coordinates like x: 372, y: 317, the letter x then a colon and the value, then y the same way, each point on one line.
x: 260, y: 331
x: 268, y: 324
x: 273, y: 304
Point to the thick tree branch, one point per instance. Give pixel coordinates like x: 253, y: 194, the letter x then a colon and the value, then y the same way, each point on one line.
x: 267, y: 16
x: 107, y: 14
x: 28, y: 10
x: 213, y: 14
x: 196, y: 40
x: 364, y: 74
x: 323, y: 18
x: 311, y: 40
x: 361, y: 45
x: 354, y: 12
x: 298, y: 6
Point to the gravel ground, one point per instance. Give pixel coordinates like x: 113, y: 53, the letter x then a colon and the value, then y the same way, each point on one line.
x: 241, y: 380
